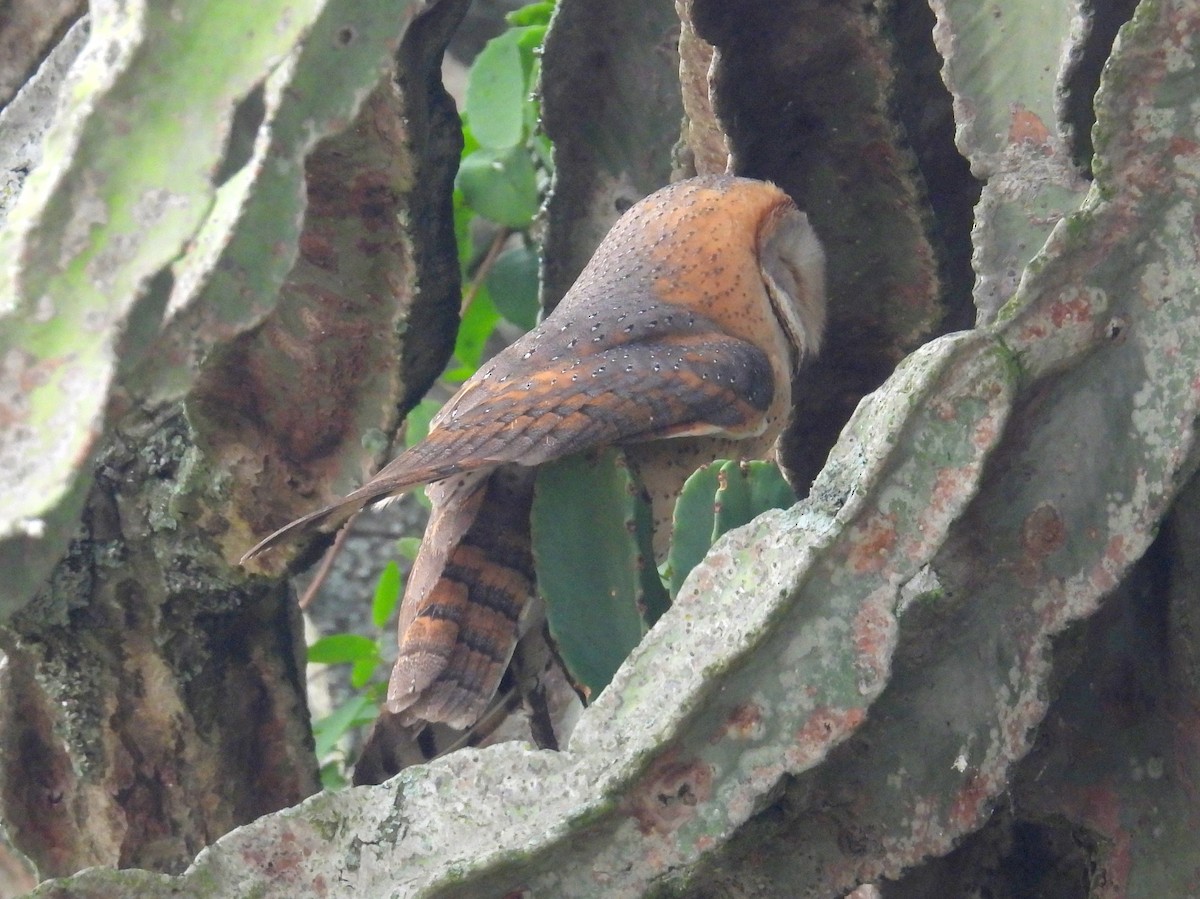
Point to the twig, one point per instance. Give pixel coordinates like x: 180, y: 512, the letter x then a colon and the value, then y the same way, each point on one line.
x: 331, y: 555
x: 485, y: 267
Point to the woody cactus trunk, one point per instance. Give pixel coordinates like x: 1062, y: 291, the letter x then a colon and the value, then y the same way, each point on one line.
x: 965, y: 662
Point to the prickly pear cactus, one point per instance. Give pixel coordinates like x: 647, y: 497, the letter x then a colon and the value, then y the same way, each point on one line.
x: 591, y: 565
x: 972, y: 644
x: 1009, y: 77
x: 718, y: 498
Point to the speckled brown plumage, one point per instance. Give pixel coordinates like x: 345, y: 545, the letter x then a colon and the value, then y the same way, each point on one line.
x: 681, y: 336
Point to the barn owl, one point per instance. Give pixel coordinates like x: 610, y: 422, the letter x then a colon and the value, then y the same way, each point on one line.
x: 679, y: 342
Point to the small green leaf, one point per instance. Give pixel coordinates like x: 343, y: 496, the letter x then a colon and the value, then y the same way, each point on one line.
x: 500, y: 184
x: 531, y: 14
x: 543, y: 152
x: 341, y: 649
x: 363, y: 669
x: 586, y: 555
x: 529, y: 43
x: 470, y: 144
x: 333, y: 775
x: 513, y: 284
x: 530, y: 38
x: 496, y: 89
x: 387, y: 594
x: 473, y: 333
x: 417, y: 422
x: 357, y: 711
x: 376, y: 692
x: 408, y: 547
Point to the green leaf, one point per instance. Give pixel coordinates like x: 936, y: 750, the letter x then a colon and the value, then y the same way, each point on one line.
x: 513, y: 284
x: 500, y: 185
x: 473, y: 333
x: 470, y: 144
x: 529, y: 40
x: 715, y: 499
x: 543, y: 151
x: 387, y: 594
x: 333, y: 775
x: 586, y: 557
x: 531, y: 14
x: 408, y: 547
x: 363, y: 669
x: 356, y: 712
x: 497, y: 86
x: 417, y: 422
x: 341, y: 649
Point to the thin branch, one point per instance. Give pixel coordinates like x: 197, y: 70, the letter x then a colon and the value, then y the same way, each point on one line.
x: 485, y: 267
x: 331, y: 555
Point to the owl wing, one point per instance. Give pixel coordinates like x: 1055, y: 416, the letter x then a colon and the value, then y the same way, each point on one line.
x: 551, y: 394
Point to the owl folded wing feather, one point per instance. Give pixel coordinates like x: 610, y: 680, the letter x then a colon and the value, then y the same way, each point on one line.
x: 553, y: 400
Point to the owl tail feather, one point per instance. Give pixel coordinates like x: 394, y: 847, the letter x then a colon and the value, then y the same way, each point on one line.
x: 328, y: 518
x: 467, y: 600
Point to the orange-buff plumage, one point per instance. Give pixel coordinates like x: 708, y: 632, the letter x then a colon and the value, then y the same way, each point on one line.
x: 680, y: 341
